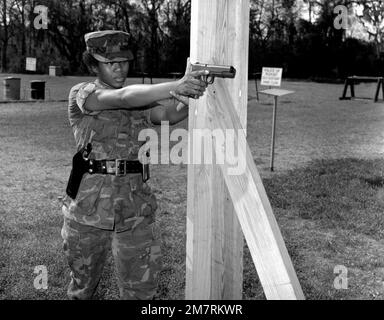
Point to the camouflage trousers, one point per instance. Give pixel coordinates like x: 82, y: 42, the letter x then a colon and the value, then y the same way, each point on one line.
x: 136, y: 255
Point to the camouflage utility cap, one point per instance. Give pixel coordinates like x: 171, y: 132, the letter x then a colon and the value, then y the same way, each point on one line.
x: 109, y: 45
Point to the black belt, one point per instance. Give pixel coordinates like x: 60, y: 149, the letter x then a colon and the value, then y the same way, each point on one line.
x: 118, y: 167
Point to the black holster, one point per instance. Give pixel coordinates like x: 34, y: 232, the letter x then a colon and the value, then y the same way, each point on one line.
x: 80, y: 166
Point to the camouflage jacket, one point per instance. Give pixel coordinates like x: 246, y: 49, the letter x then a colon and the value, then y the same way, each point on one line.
x: 107, y: 201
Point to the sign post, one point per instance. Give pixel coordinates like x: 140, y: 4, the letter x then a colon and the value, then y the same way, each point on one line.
x: 272, y: 77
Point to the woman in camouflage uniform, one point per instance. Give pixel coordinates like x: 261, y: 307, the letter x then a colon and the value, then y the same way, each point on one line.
x: 114, y: 209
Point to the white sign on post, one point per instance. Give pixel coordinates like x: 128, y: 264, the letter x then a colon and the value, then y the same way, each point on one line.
x: 271, y: 77
x: 30, y: 64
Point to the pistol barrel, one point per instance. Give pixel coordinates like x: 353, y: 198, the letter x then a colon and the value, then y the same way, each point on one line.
x: 216, y: 70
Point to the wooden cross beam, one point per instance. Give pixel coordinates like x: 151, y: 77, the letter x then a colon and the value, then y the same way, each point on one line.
x: 222, y: 207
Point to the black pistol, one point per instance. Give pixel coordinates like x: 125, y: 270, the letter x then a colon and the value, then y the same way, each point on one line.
x: 214, y: 71
x: 80, y: 166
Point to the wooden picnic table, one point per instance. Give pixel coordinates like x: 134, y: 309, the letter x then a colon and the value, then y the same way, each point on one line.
x: 145, y: 75
x: 176, y: 75
x: 352, y: 80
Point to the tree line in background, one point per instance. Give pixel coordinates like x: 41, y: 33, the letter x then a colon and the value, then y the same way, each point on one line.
x: 298, y: 35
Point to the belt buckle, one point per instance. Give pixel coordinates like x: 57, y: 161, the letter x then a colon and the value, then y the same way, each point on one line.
x: 117, y: 165
x: 110, y: 166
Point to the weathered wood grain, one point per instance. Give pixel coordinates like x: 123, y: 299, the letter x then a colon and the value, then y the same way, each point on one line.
x: 219, y: 35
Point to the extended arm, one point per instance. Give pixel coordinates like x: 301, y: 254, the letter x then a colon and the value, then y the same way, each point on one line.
x: 136, y: 96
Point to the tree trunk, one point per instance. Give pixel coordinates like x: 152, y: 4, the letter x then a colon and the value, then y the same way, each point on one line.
x: 5, y: 39
x: 31, y: 28
x: 154, y: 46
x: 310, y: 10
x: 125, y: 16
x: 23, y: 38
x: 4, y: 56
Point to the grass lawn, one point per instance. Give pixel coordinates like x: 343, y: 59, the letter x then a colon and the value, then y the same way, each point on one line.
x: 327, y: 194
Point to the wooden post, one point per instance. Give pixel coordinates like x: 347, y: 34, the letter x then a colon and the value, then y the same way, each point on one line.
x: 382, y: 86
x: 270, y: 256
x: 344, y: 95
x: 377, y: 90
x: 273, y: 133
x: 219, y: 35
x: 353, y: 87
